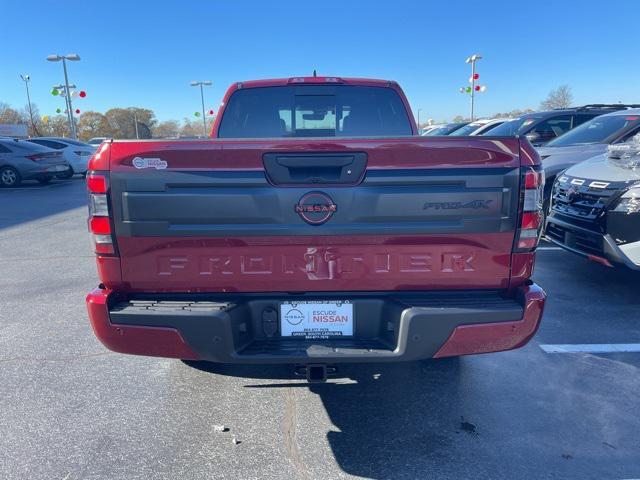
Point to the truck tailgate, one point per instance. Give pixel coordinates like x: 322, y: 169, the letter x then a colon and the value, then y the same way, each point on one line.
x: 306, y: 215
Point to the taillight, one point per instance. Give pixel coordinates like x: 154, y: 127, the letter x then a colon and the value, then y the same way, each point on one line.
x: 99, y: 221
x: 531, y: 218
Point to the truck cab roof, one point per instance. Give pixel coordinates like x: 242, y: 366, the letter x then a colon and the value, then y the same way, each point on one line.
x: 276, y: 82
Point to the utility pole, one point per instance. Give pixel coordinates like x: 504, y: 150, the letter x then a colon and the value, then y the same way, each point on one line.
x: 200, y: 84
x: 419, y: 110
x: 74, y: 58
x: 135, y: 123
x: 26, y: 78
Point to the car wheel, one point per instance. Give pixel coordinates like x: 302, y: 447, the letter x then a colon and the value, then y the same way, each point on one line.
x: 44, y: 180
x: 10, y: 177
x: 66, y: 174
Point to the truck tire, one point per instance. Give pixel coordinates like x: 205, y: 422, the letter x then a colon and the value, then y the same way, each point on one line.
x: 10, y: 177
x: 45, y: 179
x: 66, y: 174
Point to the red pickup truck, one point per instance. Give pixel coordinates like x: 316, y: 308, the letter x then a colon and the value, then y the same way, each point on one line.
x: 316, y: 227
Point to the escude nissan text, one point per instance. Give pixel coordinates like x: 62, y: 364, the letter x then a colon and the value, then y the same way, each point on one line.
x: 315, y: 227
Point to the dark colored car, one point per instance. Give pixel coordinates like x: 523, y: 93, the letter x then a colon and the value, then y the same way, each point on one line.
x: 586, y: 141
x: 317, y: 227
x: 22, y: 160
x: 445, y: 130
x: 542, y: 127
x: 595, y: 209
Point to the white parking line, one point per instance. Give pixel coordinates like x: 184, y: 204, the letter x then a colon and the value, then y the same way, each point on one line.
x: 592, y: 348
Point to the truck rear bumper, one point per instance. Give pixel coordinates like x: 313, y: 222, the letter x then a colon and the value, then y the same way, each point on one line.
x: 389, y: 326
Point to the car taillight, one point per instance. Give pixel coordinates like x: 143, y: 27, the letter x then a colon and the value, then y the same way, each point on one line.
x: 531, y: 218
x: 99, y: 221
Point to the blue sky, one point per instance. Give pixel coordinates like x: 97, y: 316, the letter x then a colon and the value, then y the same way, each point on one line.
x: 141, y: 53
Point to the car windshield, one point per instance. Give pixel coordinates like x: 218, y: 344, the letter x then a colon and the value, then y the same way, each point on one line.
x: 514, y: 127
x: 596, y: 130
x: 314, y: 111
x: 466, y: 130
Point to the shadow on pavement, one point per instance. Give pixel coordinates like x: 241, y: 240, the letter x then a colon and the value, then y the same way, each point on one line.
x: 33, y: 201
x: 513, y: 415
x: 387, y: 418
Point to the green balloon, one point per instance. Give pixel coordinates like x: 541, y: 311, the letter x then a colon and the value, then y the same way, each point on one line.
x: 197, y: 114
x: 58, y: 110
x: 55, y: 92
x: 468, y: 89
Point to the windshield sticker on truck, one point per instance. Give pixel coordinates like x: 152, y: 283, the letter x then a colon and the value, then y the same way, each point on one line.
x: 156, y: 163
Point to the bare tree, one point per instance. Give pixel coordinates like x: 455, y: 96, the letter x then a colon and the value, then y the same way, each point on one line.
x: 168, y: 128
x: 560, y: 97
x: 11, y: 115
x: 93, y: 124
x: 193, y: 128
x: 122, y: 122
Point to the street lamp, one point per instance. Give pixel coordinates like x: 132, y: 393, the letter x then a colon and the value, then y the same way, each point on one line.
x: 72, y: 57
x: 201, y: 84
x: 26, y: 79
x: 472, y: 60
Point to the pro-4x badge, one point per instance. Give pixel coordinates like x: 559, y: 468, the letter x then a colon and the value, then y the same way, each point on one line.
x: 473, y: 204
x: 156, y: 163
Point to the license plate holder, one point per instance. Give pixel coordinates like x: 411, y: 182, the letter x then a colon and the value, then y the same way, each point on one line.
x: 317, y: 320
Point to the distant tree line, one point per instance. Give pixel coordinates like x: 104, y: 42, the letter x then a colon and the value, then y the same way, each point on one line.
x: 121, y: 122
x: 116, y: 123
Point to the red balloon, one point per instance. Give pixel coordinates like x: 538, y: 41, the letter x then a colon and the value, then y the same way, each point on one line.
x: 210, y: 112
x: 82, y: 94
x: 77, y: 110
x: 476, y: 76
x: 477, y: 88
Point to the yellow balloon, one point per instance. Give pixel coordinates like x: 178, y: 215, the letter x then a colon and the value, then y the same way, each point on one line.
x: 45, y: 118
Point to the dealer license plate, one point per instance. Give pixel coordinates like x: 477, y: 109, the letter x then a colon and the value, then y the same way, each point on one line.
x: 319, y: 320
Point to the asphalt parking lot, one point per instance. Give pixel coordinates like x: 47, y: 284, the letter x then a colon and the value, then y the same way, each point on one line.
x: 70, y: 409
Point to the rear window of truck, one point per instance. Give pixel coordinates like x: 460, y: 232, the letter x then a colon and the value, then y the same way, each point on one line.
x: 314, y: 111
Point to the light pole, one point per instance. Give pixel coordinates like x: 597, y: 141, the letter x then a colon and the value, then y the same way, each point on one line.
x: 472, y: 60
x: 201, y: 84
x: 73, y: 57
x: 26, y: 78
x: 419, y: 110
x: 135, y: 123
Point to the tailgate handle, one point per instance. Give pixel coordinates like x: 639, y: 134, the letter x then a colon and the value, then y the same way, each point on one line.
x: 315, y: 168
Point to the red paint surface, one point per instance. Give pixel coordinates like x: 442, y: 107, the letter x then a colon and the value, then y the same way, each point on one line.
x: 521, y: 268
x: 149, y: 341
x: 323, y: 263
x: 109, y: 271
x: 382, y: 153
x: 497, y: 337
